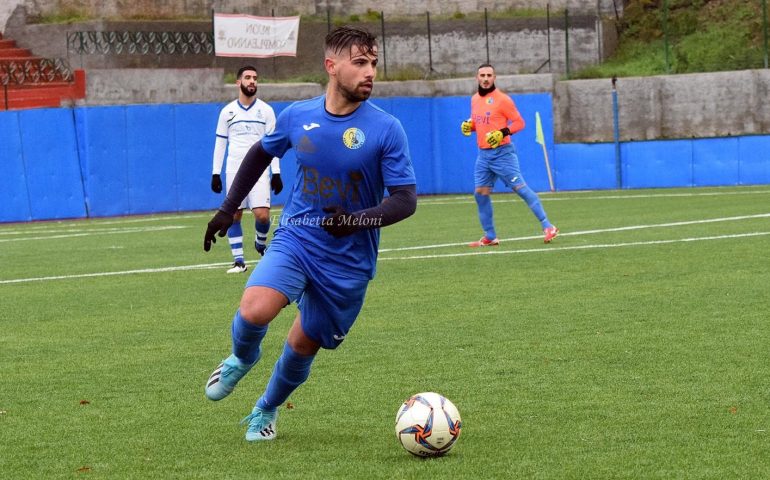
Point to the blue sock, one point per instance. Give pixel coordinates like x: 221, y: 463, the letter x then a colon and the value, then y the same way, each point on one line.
x: 247, y: 339
x: 262, y: 229
x: 235, y: 236
x: 486, y: 216
x: 533, y: 202
x: 290, y: 371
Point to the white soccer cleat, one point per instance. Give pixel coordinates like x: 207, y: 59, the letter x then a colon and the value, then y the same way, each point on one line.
x: 238, y: 267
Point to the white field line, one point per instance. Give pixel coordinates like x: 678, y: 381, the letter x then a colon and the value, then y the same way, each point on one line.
x: 490, y: 251
x: 104, y: 231
x: 428, y: 200
x: 494, y: 251
x: 203, y: 266
x: 589, y: 232
x: 548, y: 196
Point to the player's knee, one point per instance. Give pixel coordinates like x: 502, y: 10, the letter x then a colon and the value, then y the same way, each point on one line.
x: 483, y: 190
x: 260, y: 305
x: 300, y: 342
x: 262, y: 215
x: 237, y: 215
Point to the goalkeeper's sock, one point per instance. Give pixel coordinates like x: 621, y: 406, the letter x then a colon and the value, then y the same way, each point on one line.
x: 486, y: 215
x: 533, y: 202
x: 247, y: 339
x: 235, y: 237
x: 262, y: 230
x: 290, y: 371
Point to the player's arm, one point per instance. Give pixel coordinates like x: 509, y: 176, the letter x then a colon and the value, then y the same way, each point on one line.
x: 254, y: 164
x: 220, y: 145
x: 515, y: 120
x: 276, y: 183
x: 400, y: 204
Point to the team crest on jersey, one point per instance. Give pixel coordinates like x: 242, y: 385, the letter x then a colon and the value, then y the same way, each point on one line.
x: 490, y: 101
x: 353, y: 138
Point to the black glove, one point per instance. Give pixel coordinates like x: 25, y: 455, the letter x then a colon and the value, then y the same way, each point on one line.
x: 216, y: 183
x: 219, y: 223
x: 276, y: 184
x: 339, y: 222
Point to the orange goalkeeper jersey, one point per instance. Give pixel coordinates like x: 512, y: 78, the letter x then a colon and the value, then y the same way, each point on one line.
x: 494, y: 111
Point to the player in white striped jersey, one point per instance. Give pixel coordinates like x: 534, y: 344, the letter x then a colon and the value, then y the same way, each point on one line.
x: 241, y: 124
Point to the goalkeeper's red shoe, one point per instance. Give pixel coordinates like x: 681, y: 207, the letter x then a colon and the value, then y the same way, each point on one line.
x: 549, y: 234
x: 485, y: 242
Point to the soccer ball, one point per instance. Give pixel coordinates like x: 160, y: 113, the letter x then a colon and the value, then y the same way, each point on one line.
x: 428, y: 425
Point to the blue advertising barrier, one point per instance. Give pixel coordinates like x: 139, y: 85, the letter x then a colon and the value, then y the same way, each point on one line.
x: 665, y: 163
x: 14, y: 196
x: 139, y: 159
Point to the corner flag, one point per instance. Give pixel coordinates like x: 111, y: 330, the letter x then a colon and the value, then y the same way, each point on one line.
x: 540, y: 138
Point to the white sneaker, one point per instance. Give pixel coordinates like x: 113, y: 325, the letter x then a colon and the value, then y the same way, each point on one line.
x: 238, y: 267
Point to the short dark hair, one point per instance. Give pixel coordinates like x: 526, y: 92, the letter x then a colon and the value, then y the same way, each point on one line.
x: 485, y: 65
x: 343, y: 38
x: 243, y: 69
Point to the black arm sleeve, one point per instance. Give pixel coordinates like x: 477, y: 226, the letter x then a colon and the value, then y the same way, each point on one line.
x: 401, y: 204
x: 254, y: 163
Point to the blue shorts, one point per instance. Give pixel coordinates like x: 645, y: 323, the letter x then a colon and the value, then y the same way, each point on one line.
x: 498, y: 163
x: 329, y: 301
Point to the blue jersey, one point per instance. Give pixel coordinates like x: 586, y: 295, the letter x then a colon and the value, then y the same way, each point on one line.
x: 341, y: 160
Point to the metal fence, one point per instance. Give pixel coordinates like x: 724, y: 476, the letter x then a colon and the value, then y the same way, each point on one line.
x: 730, y: 59
x: 408, y: 45
x: 429, y: 46
x: 143, y: 43
x: 42, y: 70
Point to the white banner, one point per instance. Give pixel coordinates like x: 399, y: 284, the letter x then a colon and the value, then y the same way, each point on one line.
x: 248, y: 36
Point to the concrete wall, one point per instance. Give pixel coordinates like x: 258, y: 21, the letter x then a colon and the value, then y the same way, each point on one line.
x: 202, y: 8
x: 668, y: 106
x: 672, y: 106
x: 456, y: 47
x: 7, y: 8
x: 140, y: 86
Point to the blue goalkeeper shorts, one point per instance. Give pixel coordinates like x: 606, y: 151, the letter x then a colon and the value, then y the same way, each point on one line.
x: 329, y: 301
x: 498, y: 163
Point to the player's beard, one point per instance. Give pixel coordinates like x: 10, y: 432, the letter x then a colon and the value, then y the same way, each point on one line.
x: 247, y: 90
x: 354, y: 95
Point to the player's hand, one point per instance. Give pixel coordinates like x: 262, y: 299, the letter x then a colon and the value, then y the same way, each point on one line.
x: 216, y: 183
x: 339, y: 223
x: 276, y: 184
x: 466, y: 127
x: 494, y: 138
x: 218, y: 224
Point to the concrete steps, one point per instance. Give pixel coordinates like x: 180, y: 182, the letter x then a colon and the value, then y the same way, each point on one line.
x: 29, y: 81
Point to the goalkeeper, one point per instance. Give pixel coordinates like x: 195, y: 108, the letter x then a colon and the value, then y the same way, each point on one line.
x: 494, y: 118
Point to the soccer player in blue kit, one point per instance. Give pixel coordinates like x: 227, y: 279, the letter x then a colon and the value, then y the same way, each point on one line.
x: 324, y: 251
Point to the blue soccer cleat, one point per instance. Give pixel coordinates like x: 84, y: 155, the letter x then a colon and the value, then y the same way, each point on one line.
x: 261, y: 424
x: 225, y: 377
